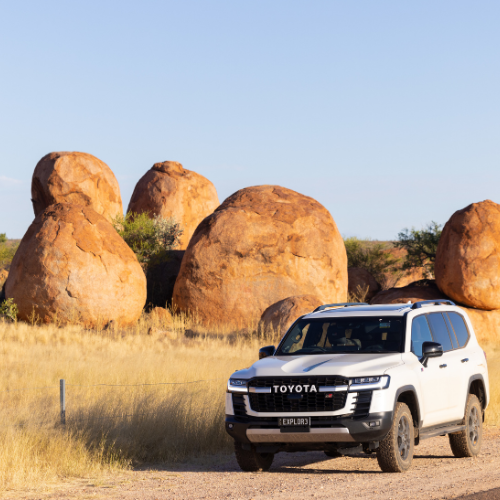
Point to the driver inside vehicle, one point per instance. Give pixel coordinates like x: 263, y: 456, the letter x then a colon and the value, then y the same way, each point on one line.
x: 359, y: 334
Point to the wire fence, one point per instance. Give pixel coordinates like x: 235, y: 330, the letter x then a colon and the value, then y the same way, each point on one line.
x: 62, y: 396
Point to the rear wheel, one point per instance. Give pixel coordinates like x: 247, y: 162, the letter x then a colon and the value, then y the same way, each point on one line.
x: 250, y: 460
x: 467, y: 443
x: 395, y: 452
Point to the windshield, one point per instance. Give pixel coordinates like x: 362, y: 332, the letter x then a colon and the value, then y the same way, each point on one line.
x: 341, y: 335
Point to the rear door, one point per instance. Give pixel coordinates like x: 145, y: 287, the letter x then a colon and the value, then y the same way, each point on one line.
x: 450, y: 368
x: 433, y: 382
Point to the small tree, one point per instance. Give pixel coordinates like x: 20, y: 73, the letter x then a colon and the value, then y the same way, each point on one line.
x: 3, y: 237
x: 421, y: 246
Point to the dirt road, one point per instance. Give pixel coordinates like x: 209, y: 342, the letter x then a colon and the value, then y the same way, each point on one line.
x: 435, y: 474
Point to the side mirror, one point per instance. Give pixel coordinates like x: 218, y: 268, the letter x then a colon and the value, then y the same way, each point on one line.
x: 267, y: 351
x: 430, y: 350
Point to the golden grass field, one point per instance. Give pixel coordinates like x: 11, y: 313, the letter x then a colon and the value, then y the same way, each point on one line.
x: 170, y: 422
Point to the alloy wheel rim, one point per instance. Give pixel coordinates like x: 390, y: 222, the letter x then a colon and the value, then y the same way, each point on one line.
x: 474, y: 426
x: 404, y: 443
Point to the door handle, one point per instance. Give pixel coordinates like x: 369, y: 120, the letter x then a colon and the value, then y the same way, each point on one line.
x: 465, y: 360
x: 443, y: 366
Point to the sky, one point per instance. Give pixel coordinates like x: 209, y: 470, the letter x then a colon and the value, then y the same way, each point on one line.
x: 386, y: 112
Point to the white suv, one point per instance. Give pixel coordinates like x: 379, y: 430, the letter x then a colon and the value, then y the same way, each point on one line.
x: 381, y: 376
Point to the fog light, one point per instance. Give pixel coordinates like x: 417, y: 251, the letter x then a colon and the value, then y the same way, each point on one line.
x: 375, y: 423
x: 230, y: 426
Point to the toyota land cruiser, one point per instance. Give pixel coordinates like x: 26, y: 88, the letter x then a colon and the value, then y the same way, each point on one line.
x: 381, y: 376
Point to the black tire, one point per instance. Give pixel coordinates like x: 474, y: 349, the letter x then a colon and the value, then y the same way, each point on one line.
x: 333, y: 454
x: 467, y: 443
x: 395, y: 452
x: 250, y: 460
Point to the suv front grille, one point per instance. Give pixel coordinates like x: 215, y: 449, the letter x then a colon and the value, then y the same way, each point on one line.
x: 310, y: 402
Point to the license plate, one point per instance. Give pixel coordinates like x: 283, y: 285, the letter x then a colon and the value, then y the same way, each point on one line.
x: 294, y: 422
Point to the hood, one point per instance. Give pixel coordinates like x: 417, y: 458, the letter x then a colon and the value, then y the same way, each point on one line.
x: 347, y: 365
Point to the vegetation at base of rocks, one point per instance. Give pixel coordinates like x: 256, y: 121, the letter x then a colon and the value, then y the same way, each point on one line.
x: 149, y: 238
x: 8, y: 310
x: 112, y: 428
x: 373, y: 257
x: 8, y: 249
x: 421, y: 246
x: 154, y: 242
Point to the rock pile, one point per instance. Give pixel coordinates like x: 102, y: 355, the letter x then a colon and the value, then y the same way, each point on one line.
x: 263, y: 244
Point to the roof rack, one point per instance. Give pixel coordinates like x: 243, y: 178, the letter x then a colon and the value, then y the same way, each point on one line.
x: 342, y: 304
x: 437, y: 302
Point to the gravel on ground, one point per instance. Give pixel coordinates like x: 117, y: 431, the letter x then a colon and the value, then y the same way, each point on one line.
x: 435, y: 474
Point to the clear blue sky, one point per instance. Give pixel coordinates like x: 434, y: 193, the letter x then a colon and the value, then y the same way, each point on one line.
x: 387, y: 112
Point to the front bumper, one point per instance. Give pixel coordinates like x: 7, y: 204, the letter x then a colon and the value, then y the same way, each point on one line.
x: 253, y: 430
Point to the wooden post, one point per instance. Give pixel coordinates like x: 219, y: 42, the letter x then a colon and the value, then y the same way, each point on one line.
x: 62, y: 391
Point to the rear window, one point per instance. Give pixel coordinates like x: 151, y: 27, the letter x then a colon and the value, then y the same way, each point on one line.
x: 460, y: 328
x: 440, y: 330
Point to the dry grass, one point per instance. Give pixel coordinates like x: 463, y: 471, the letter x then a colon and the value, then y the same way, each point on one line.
x: 169, y: 422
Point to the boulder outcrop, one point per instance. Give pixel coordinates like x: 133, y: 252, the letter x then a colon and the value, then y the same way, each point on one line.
x: 361, y: 282
x: 280, y: 316
x: 171, y: 191
x: 263, y: 244
x: 414, y: 292
x: 78, y: 178
x: 468, y: 256
x: 73, y: 266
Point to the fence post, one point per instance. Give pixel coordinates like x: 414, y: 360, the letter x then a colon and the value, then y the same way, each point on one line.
x: 62, y: 392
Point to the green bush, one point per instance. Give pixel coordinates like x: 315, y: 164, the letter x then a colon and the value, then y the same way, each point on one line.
x: 373, y: 257
x: 153, y: 241
x: 150, y: 239
x: 8, y: 309
x: 7, y: 251
x: 421, y: 247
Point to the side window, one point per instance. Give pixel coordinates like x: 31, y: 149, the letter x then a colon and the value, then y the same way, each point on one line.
x: 440, y: 331
x: 460, y: 328
x: 452, y: 332
x: 420, y: 333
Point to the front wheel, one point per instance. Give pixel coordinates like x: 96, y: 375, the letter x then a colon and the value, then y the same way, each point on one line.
x: 250, y: 460
x: 395, y: 452
x: 467, y: 443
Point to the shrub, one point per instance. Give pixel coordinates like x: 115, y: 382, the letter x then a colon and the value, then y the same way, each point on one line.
x: 7, y: 251
x: 421, y: 247
x: 150, y: 239
x: 373, y: 257
x: 153, y: 241
x: 8, y: 309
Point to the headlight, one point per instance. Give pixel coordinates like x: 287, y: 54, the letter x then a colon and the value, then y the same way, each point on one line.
x: 369, y: 383
x: 237, y: 385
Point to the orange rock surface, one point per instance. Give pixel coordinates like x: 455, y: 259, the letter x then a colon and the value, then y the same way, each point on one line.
x: 468, y: 256
x: 280, y: 316
x: 361, y: 281
x: 171, y: 191
x: 72, y: 265
x: 79, y: 178
x: 262, y: 245
x: 420, y: 290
